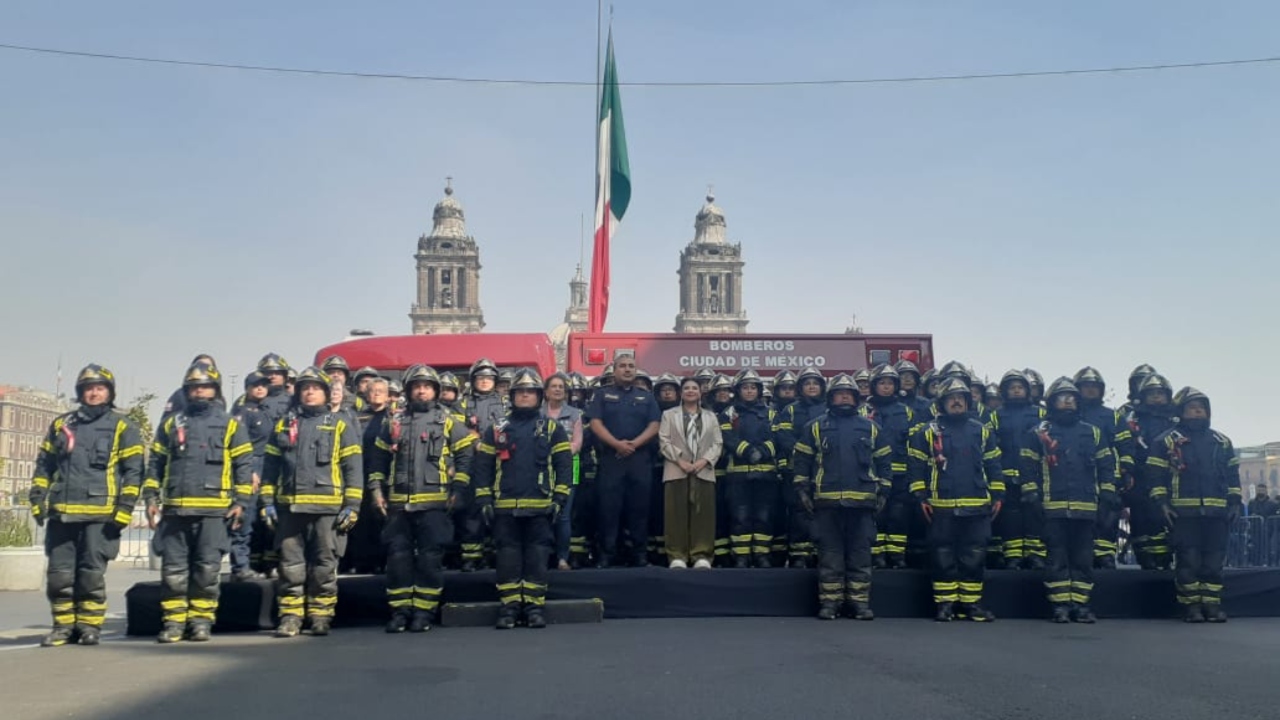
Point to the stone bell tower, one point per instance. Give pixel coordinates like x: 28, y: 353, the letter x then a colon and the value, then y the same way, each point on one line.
x: 448, y: 259
x: 711, y: 278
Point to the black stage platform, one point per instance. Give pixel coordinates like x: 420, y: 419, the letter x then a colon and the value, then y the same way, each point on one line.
x: 663, y: 593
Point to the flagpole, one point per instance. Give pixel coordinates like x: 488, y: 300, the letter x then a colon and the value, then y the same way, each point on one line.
x: 595, y: 111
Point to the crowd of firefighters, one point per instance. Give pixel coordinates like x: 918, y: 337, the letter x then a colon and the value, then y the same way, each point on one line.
x: 313, y: 472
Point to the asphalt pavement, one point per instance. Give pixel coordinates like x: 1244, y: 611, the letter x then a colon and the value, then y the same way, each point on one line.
x: 740, y: 668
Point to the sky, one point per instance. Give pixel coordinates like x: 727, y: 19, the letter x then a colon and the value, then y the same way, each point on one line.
x: 151, y: 212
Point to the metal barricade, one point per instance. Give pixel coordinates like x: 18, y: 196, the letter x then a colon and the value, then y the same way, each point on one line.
x: 1271, y: 541
x: 135, y: 540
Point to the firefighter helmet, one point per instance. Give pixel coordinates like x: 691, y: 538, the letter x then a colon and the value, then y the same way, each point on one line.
x: 786, y: 377
x: 667, y: 379
x: 312, y: 376
x: 201, y: 374
x: 1089, y: 374
x: 1155, y: 381
x: 449, y: 381
x: 1137, y: 377
x: 272, y: 362
x: 1189, y: 394
x: 954, y: 386
x: 482, y: 367
x: 335, y: 362
x: 1012, y: 376
x: 883, y: 372
x: 747, y: 377
x: 843, y: 382
x: 906, y: 366
x: 526, y: 379
x: 94, y: 374
x: 1060, y: 386
x: 420, y: 373
x: 255, y: 378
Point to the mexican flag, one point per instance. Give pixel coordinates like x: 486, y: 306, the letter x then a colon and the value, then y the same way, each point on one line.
x: 613, y: 190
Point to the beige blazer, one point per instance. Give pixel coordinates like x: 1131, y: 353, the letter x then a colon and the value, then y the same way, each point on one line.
x: 674, y: 448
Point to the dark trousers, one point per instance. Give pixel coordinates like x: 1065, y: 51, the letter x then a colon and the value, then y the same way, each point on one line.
x: 1069, y: 579
x: 844, y: 537
x: 892, y: 526
x: 308, y: 547
x: 918, y: 553
x: 1200, y: 544
x: 263, y: 553
x: 722, y: 555
x: 366, y: 552
x: 523, y: 545
x: 76, y: 582
x: 241, y: 539
x: 622, y: 484
x: 657, y: 534
x: 1106, y: 535
x: 191, y: 550
x: 415, y: 543
x: 469, y: 528
x: 958, y: 546
x: 582, y: 523
x: 751, y: 499
x: 1146, y: 526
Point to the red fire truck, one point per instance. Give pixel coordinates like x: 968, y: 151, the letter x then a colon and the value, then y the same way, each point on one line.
x: 655, y: 353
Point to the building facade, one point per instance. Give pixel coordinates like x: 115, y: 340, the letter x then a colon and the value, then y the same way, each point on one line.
x: 711, y: 278
x: 1260, y: 465
x: 448, y: 263
x: 25, y: 415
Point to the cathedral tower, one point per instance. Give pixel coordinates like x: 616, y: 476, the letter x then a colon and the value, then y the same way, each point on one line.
x: 711, y: 278
x: 448, y: 260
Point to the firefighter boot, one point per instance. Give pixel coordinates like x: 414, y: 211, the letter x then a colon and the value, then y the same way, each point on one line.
x: 58, y: 637
x: 1214, y: 614
x: 859, y: 611
x: 763, y: 561
x: 1105, y: 562
x: 320, y: 626
x: 290, y: 626
x: 976, y: 613
x: 828, y: 611
x: 170, y: 633
x: 199, y: 632
x: 506, y: 617
x: 945, y: 612
x: 534, y: 618
x: 420, y: 623
x: 1193, y: 614
x: 90, y: 636
x: 398, y: 623
x: 1084, y: 614
x: 1061, y: 614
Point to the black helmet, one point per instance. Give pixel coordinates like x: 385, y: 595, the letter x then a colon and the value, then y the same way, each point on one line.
x: 481, y: 367
x: 449, y: 381
x: 976, y: 381
x: 578, y: 381
x: 862, y: 375
x: 843, y: 382
x: 1137, y: 377
x: 1060, y: 386
x: 394, y: 387
x: 906, y: 366
x: 991, y: 392
x: 667, y: 379
x: 1013, y: 376
x: 526, y: 379
x: 255, y: 378
x: 205, y: 358
x: 1034, y: 379
x: 642, y: 375
x: 507, y: 375
x: 721, y: 382
x: 94, y: 374
x: 290, y: 375
x: 927, y: 378
x: 1089, y: 374
x: 606, y: 375
x: 1186, y: 395
x: 203, y: 374
x: 812, y: 373
x: 272, y: 362
x: 362, y: 373
x: 955, y: 368
x: 1155, y: 381
x: 747, y: 377
x: 705, y: 375
x: 954, y: 386
x: 420, y: 373
x: 335, y: 362
x: 786, y: 377
x: 315, y: 376
x: 883, y: 372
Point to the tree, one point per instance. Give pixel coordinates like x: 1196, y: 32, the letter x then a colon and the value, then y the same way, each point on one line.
x: 854, y: 328
x: 137, y: 412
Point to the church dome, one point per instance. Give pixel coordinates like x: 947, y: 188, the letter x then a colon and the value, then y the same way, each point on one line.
x: 710, y: 224
x: 448, y: 220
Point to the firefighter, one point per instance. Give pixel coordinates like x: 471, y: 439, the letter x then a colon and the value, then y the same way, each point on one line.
x: 930, y: 382
x: 1194, y: 476
x: 335, y: 366
x: 666, y: 390
x: 1116, y: 435
x: 991, y: 397
x: 366, y: 553
x: 178, y: 398
x: 523, y: 467
x: 843, y: 465
x: 704, y: 377
x: 483, y: 406
x: 201, y: 469
x: 954, y: 466
x: 450, y: 391
x: 751, y: 475
x: 624, y: 420
x: 279, y: 396
x: 718, y: 399
x: 312, y: 485
x: 811, y: 387
x: 361, y: 380
x: 863, y: 380
x: 250, y: 415
x: 503, y: 386
x: 912, y: 391
x: 886, y: 409
x: 644, y: 380
x: 396, y: 392
x: 784, y: 389
x: 1019, y: 527
x: 1068, y: 466
x: 421, y: 461
x: 86, y: 482
x: 1036, y: 383
x: 582, y: 508
x: 1151, y: 417
x: 290, y: 379
x: 578, y: 390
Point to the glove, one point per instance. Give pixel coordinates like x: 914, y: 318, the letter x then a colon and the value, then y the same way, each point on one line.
x: 754, y: 456
x: 555, y: 511
x: 38, y: 516
x: 112, y: 531
x: 346, y: 520
x: 996, y: 507
x: 927, y: 510
x: 1233, y: 512
x: 881, y: 502
x: 1168, y: 513
x: 486, y: 512
x: 270, y: 516
x: 457, y: 500
x: 806, y: 501
x: 1032, y: 498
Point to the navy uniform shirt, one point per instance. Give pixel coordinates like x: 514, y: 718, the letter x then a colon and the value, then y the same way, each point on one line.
x: 625, y: 412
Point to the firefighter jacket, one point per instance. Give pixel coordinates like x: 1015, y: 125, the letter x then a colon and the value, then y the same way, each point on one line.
x: 791, y: 422
x: 313, y: 463
x: 749, y: 439
x: 844, y: 461
x: 1071, y: 465
x: 895, y: 419
x: 921, y: 407
x: 254, y: 419
x: 1195, y: 471
x: 370, y: 429
x: 201, y: 463
x: 1011, y: 425
x: 523, y: 464
x: 89, y: 468
x: 1115, y: 432
x: 954, y: 465
x: 1145, y: 425
x: 482, y: 411
x: 277, y: 403
x: 420, y: 458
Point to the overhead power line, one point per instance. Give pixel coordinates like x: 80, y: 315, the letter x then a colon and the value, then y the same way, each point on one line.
x: 692, y: 84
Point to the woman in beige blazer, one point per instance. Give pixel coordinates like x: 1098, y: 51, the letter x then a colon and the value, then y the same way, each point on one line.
x: 689, y: 438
